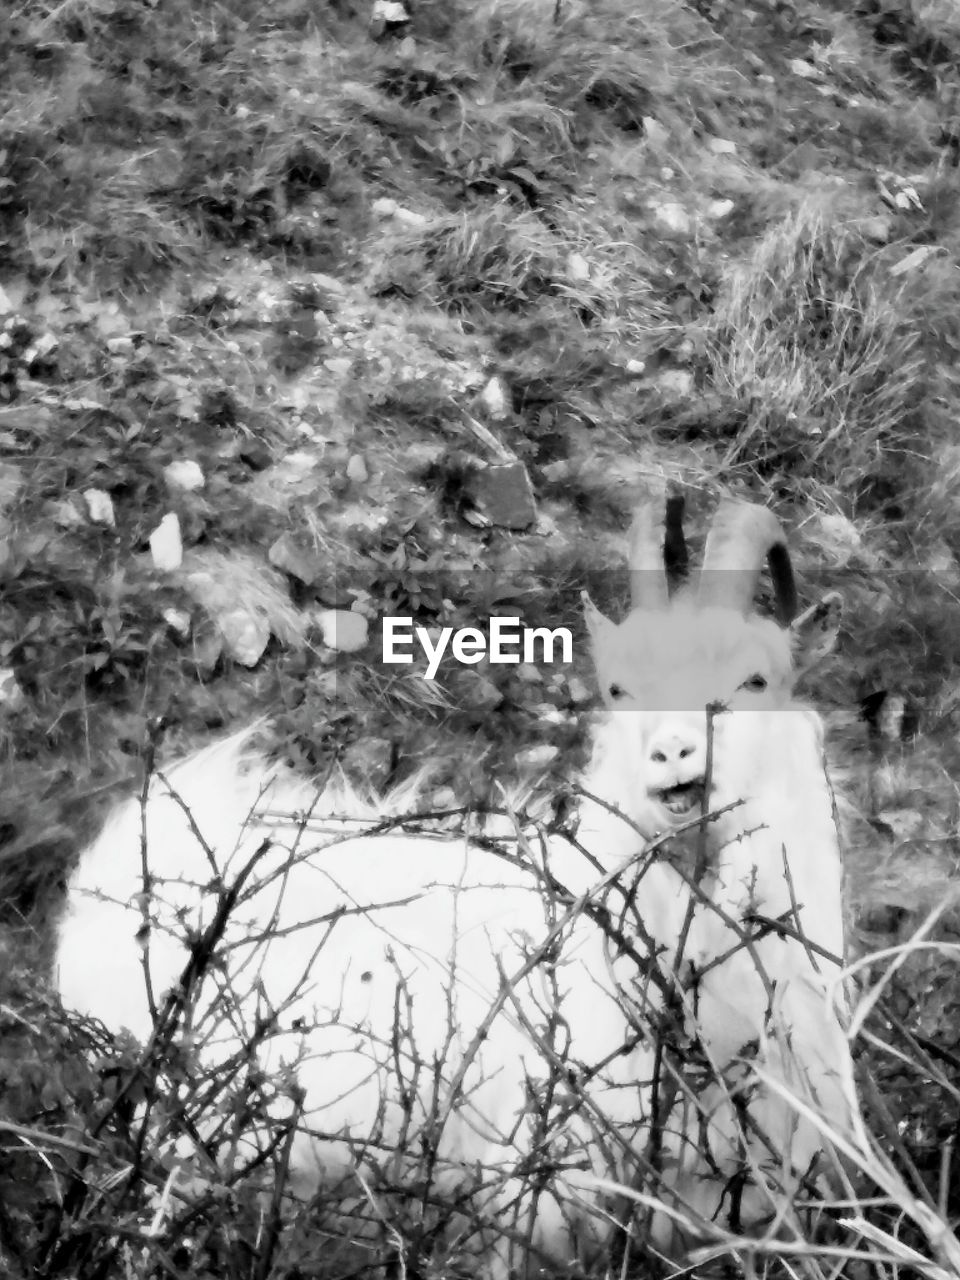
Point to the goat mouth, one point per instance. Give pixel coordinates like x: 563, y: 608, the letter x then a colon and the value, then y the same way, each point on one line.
x: 681, y: 800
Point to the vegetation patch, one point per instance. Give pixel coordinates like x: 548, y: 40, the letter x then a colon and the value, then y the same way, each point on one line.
x: 291, y: 284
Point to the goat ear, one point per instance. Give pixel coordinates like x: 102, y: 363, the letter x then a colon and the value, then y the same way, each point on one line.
x: 599, y: 627
x: 815, y: 631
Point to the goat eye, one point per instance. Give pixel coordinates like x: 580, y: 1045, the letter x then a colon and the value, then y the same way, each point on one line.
x: 617, y: 691
x: 755, y: 684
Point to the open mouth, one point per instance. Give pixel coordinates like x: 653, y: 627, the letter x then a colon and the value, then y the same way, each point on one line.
x: 682, y: 799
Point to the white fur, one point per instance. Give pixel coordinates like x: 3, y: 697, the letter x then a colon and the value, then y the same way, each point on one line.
x: 446, y: 923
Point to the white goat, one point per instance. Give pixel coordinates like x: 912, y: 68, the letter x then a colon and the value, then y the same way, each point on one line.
x: 462, y: 1012
x: 775, y: 857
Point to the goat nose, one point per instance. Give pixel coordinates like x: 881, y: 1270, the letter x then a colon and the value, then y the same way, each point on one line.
x: 672, y: 748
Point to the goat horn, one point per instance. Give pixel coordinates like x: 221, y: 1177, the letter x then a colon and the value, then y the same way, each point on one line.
x: 675, y: 558
x: 648, y: 581
x: 740, y: 535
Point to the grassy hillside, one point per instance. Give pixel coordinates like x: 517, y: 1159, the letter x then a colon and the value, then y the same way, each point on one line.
x: 346, y: 271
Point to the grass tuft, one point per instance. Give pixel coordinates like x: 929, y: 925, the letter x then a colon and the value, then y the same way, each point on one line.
x: 493, y: 260
x: 827, y: 350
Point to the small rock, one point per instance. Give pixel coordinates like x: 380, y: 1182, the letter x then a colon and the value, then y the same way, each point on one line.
x: 120, y: 346
x: 537, y: 757
x: 578, y: 268
x: 673, y: 216
x: 245, y: 635
x: 343, y: 630
x: 675, y: 382
x: 300, y: 562
x: 495, y: 398
x: 578, y: 691
x: 65, y: 514
x: 548, y: 527
x: 166, y: 544
x: 357, y: 469
x: 722, y: 146
x: 878, y: 228
x: 339, y: 365
x: 913, y: 260
x: 410, y: 217
x: 331, y: 291
x: 481, y: 693
x: 12, y: 697
x: 805, y: 70
x: 184, y: 476
x: 635, y: 367
x: 557, y: 471
x: 686, y: 350
x: 547, y: 713
x: 100, y: 507
x: 387, y: 16
x: 179, y: 622
x: 529, y: 673
x: 504, y: 495
x: 654, y: 131
x: 720, y: 208
x: 42, y: 347
x: 384, y: 207
x: 80, y: 404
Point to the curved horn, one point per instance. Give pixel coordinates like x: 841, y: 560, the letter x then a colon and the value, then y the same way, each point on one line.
x: 740, y: 536
x: 675, y: 557
x: 648, y: 581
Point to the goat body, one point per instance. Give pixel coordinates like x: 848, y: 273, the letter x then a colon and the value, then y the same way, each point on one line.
x: 423, y: 985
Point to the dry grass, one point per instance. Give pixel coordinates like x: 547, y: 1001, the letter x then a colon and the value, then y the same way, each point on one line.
x: 827, y: 349
x: 493, y: 260
x: 607, y: 56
